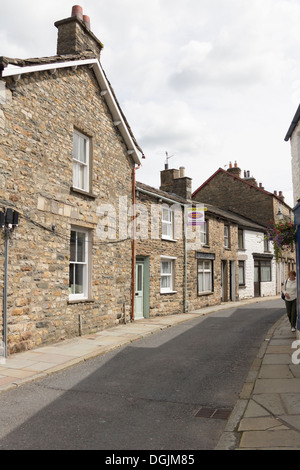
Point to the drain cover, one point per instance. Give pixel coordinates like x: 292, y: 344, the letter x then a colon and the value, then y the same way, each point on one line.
x: 215, y: 413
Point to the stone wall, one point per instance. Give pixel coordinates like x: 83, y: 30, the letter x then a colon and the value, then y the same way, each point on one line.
x: 38, y: 115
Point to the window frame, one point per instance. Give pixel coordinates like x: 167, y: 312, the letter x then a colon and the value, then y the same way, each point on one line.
x: 241, y: 239
x: 169, y: 275
x: 77, y: 162
x: 263, y: 265
x: 84, y: 295
x: 167, y: 223
x: 203, y: 272
x: 266, y: 246
x: 241, y: 264
x: 204, y: 233
x: 226, y: 236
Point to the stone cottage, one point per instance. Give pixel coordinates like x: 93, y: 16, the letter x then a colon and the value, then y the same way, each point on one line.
x: 67, y: 159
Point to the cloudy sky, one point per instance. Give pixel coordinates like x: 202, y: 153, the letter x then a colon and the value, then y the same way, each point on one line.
x: 206, y: 81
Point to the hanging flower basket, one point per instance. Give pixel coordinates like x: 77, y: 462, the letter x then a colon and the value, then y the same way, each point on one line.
x: 282, y: 235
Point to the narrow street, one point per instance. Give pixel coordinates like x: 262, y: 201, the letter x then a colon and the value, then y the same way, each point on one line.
x: 149, y: 395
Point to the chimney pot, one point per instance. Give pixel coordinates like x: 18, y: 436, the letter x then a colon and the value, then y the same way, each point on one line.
x: 230, y: 165
x: 235, y: 164
x: 181, y: 171
x: 87, y: 21
x: 77, y: 11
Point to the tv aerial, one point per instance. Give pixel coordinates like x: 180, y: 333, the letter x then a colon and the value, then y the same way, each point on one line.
x: 167, y: 160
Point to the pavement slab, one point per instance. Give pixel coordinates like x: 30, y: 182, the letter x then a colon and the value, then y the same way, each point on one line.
x: 271, y: 419
x: 268, y: 439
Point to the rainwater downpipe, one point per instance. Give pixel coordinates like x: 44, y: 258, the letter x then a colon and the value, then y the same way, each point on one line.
x: 163, y: 198
x: 133, y: 241
x: 5, y: 293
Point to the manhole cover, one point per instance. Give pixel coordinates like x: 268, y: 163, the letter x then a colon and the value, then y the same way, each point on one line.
x: 215, y: 413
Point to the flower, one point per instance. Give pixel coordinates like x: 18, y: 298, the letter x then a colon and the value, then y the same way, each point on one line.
x: 282, y: 235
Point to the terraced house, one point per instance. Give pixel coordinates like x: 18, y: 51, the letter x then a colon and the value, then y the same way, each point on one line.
x: 67, y: 156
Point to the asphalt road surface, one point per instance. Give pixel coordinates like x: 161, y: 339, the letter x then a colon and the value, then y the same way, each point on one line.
x: 145, y: 396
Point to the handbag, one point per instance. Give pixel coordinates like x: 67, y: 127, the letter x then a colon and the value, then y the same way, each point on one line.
x: 282, y: 294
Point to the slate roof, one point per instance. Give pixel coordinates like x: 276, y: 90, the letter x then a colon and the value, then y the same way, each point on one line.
x: 241, y: 221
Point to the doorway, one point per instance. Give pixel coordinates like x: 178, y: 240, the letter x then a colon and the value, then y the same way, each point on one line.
x: 256, y: 278
x: 139, y: 290
x: 224, y: 281
x: 141, y: 300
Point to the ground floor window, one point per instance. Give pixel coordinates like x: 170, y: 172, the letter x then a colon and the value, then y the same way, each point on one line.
x: 262, y: 270
x: 79, y: 264
x: 241, y: 273
x: 265, y: 270
x: 205, y: 276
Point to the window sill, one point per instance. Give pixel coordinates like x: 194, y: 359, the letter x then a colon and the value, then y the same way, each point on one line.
x: 169, y: 292
x: 168, y: 239
x: 83, y: 193
x: 201, y: 294
x: 79, y: 301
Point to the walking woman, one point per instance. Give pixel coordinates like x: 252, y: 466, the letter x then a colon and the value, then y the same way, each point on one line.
x: 290, y: 292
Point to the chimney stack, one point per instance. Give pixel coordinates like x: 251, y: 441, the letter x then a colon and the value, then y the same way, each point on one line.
x: 75, y: 35
x: 281, y: 196
x: 175, y: 182
x: 234, y: 170
x: 249, y: 179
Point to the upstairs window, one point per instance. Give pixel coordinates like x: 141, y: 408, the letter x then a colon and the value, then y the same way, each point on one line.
x: 226, y: 236
x: 241, y: 239
x: 204, y: 233
x: 266, y: 246
x: 81, y: 161
x: 167, y: 217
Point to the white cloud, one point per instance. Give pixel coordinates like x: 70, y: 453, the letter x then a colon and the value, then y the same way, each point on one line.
x: 210, y: 81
